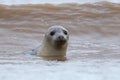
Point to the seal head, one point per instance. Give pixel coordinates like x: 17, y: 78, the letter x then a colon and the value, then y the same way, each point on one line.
x: 57, y: 36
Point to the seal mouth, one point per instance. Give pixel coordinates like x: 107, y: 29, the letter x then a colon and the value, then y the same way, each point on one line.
x: 60, y: 42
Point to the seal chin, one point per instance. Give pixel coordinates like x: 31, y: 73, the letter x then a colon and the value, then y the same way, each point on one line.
x: 60, y: 42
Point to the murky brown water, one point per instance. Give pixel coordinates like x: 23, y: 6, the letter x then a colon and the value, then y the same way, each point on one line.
x: 94, y: 30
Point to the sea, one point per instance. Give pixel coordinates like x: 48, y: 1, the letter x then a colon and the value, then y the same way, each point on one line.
x: 94, y: 46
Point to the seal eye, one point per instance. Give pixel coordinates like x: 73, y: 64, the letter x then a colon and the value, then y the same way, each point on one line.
x: 65, y: 32
x: 52, y: 33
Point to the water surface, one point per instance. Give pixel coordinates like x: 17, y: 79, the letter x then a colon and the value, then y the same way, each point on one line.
x: 94, y: 47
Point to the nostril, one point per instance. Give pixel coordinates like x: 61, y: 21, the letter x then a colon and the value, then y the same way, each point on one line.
x: 60, y: 37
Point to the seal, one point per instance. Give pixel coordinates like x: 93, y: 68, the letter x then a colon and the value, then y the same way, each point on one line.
x: 54, y: 45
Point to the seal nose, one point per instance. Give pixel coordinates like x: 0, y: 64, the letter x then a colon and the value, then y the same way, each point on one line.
x: 60, y: 40
x: 60, y: 37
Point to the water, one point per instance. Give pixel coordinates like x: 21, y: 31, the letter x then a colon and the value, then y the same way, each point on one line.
x: 93, y: 51
x: 14, y: 2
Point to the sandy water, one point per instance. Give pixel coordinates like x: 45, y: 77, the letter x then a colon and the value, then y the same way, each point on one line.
x: 94, y: 46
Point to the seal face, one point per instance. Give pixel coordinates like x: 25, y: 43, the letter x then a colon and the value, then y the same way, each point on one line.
x: 55, y: 43
x: 57, y: 36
